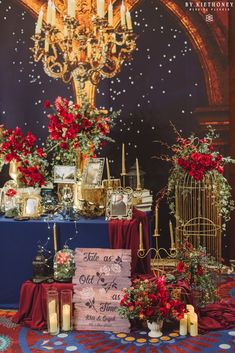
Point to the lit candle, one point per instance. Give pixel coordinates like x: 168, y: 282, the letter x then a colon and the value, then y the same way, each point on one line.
x: 107, y: 169
x: 39, y: 22
x: 128, y: 20
x: 51, y: 307
x: 193, y: 331
x: 110, y: 14
x: 66, y: 317
x: 141, y: 244
x: 138, y: 183
x: 156, y: 220
x: 122, y: 14
x: 171, y: 235
x: 123, y: 160
x: 183, y: 325
x: 53, y: 14
x: 53, y: 322
x: 55, y: 239
x: 49, y: 12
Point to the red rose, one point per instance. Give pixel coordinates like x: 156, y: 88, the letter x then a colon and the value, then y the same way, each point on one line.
x: 64, y: 145
x: 149, y: 312
x: 40, y: 152
x: 31, y: 139
x: 47, y: 104
x: 200, y: 270
x: 220, y: 169
x: 181, y: 267
x: 10, y: 192
x: 68, y: 118
x: 153, y: 297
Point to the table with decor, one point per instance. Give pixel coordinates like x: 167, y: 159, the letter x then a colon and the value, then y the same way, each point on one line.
x: 19, y: 240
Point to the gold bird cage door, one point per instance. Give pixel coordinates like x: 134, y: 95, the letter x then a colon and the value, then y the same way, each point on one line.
x: 198, y: 213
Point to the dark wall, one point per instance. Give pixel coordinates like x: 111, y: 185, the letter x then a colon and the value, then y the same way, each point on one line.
x: 163, y: 82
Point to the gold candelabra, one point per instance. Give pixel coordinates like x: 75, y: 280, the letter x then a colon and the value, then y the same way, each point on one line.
x: 85, y: 51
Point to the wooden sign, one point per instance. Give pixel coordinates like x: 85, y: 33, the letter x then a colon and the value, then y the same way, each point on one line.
x: 100, y: 276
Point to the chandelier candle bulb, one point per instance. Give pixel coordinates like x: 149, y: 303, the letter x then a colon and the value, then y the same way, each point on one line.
x: 183, y: 325
x: 107, y: 169
x: 114, y: 48
x: 138, y: 183
x: 128, y: 20
x: 49, y: 12
x: 55, y: 238
x: 53, y: 14
x: 39, y: 22
x: 122, y: 14
x: 46, y: 46
x: 171, y: 235
x: 110, y: 14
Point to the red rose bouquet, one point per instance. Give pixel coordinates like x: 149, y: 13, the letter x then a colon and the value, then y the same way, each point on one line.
x: 150, y: 300
x: 197, y: 158
x: 17, y: 147
x: 72, y: 127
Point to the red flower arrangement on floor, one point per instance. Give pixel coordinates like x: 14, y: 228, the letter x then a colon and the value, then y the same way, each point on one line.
x: 150, y: 300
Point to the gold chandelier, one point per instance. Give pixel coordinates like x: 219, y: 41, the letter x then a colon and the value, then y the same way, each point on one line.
x: 83, y: 50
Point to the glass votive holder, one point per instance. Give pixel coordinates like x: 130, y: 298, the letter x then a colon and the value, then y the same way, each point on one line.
x: 53, y: 312
x: 66, y: 309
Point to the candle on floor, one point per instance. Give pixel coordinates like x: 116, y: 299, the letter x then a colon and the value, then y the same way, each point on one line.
x: 183, y: 325
x: 53, y: 323
x: 66, y: 317
x: 193, y: 331
x: 51, y: 307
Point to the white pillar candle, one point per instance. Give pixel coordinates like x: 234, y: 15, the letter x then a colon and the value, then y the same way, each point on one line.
x: 66, y: 317
x: 122, y: 14
x: 53, y: 322
x: 51, y: 307
x: 138, y: 183
x: 190, y: 309
x: 39, y: 22
x: 193, y: 331
x: 123, y: 160
x: 183, y: 325
x: 128, y: 20
x: 107, y: 169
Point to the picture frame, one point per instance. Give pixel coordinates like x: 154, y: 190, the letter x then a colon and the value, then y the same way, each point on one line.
x: 31, y: 206
x: 119, y: 204
x: 92, y: 176
x: 64, y: 174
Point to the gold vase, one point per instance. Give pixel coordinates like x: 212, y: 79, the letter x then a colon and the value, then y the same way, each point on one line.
x: 14, y: 170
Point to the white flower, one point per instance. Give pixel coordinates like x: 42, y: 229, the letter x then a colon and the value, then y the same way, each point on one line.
x: 116, y: 268
x: 105, y: 269
x: 87, y: 293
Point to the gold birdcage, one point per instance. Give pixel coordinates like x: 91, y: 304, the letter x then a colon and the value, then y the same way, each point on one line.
x: 198, y: 219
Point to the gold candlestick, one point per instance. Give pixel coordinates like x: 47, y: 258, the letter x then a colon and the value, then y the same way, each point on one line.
x: 171, y: 236
x: 107, y: 169
x: 156, y: 231
x: 141, y: 244
x: 55, y: 238
x: 138, y: 183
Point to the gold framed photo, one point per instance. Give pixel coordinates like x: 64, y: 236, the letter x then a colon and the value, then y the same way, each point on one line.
x: 92, y: 176
x: 31, y: 206
x: 119, y: 204
x: 64, y: 174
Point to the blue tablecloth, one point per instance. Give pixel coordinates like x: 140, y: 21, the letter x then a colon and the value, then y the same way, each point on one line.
x: 18, y: 247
